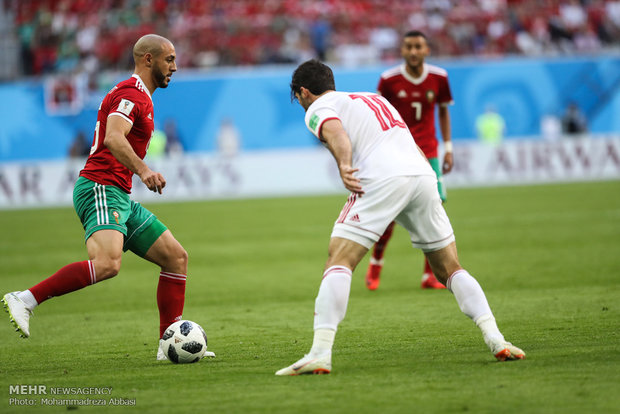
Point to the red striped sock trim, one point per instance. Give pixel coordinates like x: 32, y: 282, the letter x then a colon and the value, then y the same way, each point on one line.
x: 175, y: 276
x: 449, y: 281
x: 337, y: 269
x: 91, y: 271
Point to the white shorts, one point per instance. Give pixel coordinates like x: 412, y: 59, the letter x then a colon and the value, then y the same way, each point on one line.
x: 413, y: 202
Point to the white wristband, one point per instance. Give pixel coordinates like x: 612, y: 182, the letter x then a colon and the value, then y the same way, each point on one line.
x: 447, y: 146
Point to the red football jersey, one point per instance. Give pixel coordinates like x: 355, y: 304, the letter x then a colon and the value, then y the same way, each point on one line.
x: 415, y: 100
x: 132, y: 101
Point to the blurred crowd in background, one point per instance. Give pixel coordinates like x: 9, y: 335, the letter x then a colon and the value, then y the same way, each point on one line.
x: 85, y: 36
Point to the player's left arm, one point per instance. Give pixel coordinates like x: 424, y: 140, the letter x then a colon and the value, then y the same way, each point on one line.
x: 446, y: 134
x: 339, y: 144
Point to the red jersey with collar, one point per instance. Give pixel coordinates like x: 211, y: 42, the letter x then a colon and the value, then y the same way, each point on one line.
x: 415, y: 100
x: 130, y: 100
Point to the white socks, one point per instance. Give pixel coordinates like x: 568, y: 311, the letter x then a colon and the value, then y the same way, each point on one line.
x: 473, y: 303
x: 331, y: 303
x: 468, y: 294
x: 330, y: 307
x: 28, y: 298
x: 489, y: 329
x: 323, y: 342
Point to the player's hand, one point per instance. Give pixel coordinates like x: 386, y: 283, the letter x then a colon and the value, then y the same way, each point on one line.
x: 352, y: 183
x: 154, y: 181
x: 448, y: 163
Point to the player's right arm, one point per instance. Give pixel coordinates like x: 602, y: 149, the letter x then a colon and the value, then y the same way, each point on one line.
x: 338, y: 142
x: 117, y: 129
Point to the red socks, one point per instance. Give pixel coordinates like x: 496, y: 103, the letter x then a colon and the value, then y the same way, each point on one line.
x: 381, y: 244
x: 170, y: 299
x: 72, y: 277
x: 75, y: 276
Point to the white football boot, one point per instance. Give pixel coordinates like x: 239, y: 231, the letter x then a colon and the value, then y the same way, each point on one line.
x: 504, y: 350
x: 309, y: 364
x: 162, y: 357
x: 19, y: 314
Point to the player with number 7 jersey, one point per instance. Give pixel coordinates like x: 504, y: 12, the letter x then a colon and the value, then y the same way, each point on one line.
x: 130, y: 100
x: 416, y: 88
x: 416, y: 98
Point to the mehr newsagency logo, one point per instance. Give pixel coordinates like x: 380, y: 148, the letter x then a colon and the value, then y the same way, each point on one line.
x: 70, y: 397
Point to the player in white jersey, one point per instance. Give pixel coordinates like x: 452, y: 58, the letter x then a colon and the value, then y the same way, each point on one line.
x: 389, y: 180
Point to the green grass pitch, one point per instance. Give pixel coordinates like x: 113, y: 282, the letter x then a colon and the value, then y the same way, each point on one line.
x: 547, y: 256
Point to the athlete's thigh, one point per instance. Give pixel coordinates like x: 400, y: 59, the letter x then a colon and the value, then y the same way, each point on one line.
x: 164, y: 249
x: 106, y: 244
x: 425, y: 218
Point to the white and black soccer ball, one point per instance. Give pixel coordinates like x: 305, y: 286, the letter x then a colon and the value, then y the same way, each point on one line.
x: 184, y: 342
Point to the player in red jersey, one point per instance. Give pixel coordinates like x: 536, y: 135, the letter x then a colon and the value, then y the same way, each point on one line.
x: 112, y: 222
x: 415, y: 88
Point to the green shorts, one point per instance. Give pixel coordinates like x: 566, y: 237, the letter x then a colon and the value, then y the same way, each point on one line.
x: 437, y: 168
x: 102, y: 207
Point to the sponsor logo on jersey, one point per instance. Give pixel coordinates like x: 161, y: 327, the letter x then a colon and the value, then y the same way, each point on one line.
x: 402, y: 94
x: 314, y: 121
x: 150, y: 116
x: 125, y: 107
x: 430, y: 96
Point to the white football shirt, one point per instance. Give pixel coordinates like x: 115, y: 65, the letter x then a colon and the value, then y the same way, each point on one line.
x: 382, y: 144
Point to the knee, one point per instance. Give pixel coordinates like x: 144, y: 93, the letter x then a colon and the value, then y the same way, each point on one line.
x: 343, y: 252
x: 335, y: 260
x: 106, y: 268
x: 446, y: 270
x: 177, y: 260
x: 338, y: 260
x: 444, y: 262
x: 182, y: 258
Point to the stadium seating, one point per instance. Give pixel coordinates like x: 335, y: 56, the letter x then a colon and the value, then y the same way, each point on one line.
x: 81, y: 35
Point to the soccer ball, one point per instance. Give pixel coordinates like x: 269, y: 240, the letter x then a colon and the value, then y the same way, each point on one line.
x: 184, y: 342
